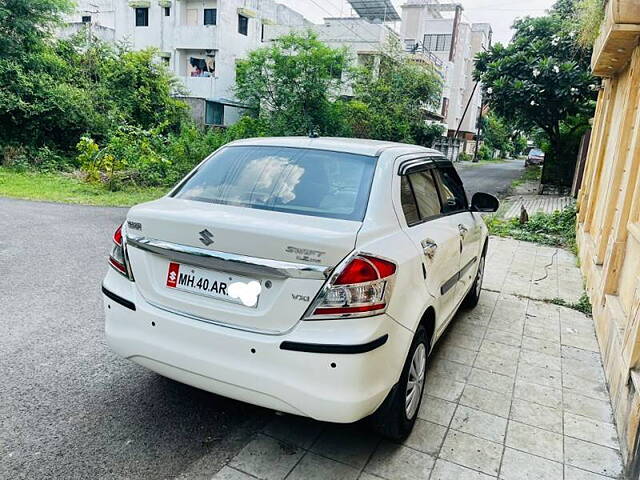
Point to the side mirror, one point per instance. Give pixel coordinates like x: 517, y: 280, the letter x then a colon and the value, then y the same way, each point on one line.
x: 483, y: 202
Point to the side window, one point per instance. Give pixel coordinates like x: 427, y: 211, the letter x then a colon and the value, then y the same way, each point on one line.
x: 419, y: 197
x: 454, y: 198
x: 408, y: 201
x: 424, y: 188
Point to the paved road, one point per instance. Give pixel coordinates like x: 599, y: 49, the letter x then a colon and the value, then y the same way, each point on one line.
x: 69, y: 408
x: 493, y: 178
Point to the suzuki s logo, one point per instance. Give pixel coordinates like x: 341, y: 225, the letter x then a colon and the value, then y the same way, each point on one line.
x: 206, y: 237
x: 172, y: 274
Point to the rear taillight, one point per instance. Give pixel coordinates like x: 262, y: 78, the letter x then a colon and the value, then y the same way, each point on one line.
x: 117, y: 258
x: 360, y: 288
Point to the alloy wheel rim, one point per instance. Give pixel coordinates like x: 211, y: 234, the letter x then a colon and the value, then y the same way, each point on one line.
x: 415, y: 381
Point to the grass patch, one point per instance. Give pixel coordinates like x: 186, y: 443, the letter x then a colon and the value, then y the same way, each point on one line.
x: 493, y: 161
x: 530, y: 174
x: 557, y: 229
x: 582, y: 305
x: 55, y: 187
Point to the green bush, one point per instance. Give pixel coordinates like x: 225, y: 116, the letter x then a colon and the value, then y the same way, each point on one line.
x: 556, y: 229
x: 135, y: 156
x: 464, y: 157
x: 485, y: 153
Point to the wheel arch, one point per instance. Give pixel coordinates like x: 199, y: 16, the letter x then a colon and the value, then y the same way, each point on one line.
x: 428, y: 321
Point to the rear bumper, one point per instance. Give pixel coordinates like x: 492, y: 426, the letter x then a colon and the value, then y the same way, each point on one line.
x: 338, y: 371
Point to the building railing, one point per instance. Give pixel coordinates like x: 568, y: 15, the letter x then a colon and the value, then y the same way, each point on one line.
x: 418, y: 48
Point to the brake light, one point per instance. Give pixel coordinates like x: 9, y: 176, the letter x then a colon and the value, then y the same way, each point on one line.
x: 117, y: 256
x: 360, y: 289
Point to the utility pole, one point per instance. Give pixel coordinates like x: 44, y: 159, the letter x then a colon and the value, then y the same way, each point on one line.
x: 478, y: 132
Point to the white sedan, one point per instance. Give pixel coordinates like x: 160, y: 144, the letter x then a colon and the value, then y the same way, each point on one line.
x: 306, y: 275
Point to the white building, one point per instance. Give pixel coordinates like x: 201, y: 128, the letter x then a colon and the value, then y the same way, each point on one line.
x: 439, y: 28
x: 201, y: 41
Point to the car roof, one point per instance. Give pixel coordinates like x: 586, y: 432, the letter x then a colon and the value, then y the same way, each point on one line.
x: 337, y: 144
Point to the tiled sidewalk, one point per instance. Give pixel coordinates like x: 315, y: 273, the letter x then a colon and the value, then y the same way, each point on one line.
x: 536, y: 204
x: 515, y: 390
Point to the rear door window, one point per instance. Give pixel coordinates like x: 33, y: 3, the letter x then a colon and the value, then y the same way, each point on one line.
x: 454, y: 198
x: 424, y: 188
x: 293, y: 180
x: 419, y: 197
x: 408, y: 201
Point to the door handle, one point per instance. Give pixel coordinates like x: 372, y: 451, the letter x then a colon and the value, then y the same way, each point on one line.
x: 462, y: 229
x: 429, y: 247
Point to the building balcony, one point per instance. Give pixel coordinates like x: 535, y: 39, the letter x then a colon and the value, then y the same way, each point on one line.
x: 202, y: 37
x: 203, y: 87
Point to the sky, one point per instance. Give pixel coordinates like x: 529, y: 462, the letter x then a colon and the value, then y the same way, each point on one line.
x: 499, y: 13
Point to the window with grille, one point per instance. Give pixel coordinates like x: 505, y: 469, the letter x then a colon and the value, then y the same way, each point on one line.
x: 437, y: 42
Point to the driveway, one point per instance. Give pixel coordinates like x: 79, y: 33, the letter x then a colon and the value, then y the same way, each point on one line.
x: 494, y: 177
x: 69, y: 408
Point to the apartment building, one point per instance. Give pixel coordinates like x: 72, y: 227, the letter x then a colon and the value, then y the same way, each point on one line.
x: 200, y: 40
x: 440, y: 29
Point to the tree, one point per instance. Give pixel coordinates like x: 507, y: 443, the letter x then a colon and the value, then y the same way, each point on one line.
x: 26, y: 24
x: 292, y: 83
x: 398, y: 95
x: 496, y: 134
x: 63, y: 89
x: 542, y: 80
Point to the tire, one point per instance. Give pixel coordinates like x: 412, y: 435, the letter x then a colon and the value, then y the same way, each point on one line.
x: 471, y: 300
x: 395, y: 418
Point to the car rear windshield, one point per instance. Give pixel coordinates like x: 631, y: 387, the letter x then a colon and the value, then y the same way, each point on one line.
x: 293, y: 180
x: 536, y: 152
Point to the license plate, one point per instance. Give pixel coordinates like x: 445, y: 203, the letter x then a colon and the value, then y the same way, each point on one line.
x: 209, y: 283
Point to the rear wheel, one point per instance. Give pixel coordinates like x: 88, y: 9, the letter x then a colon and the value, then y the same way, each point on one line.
x: 471, y: 300
x: 396, y: 416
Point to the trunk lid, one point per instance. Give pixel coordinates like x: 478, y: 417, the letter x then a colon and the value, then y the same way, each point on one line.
x: 285, y: 253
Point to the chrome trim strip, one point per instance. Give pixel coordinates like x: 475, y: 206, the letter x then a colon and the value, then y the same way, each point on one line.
x: 229, y: 262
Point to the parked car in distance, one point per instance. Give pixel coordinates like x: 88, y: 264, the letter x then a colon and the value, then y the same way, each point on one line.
x: 535, y: 157
x: 306, y: 275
